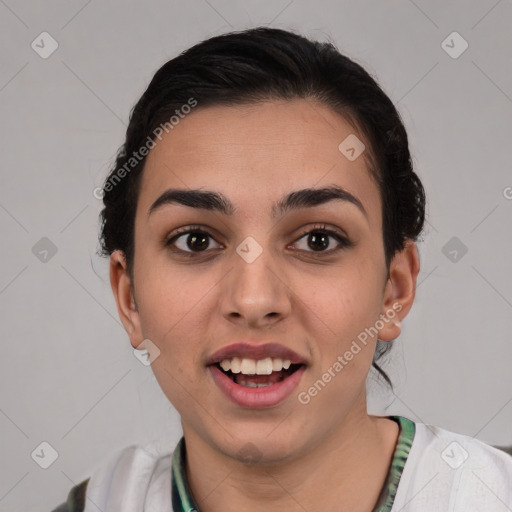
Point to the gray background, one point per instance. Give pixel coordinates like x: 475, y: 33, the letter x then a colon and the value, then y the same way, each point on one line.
x: 68, y: 374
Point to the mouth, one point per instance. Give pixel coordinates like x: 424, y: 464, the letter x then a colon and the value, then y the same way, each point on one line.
x: 253, y: 382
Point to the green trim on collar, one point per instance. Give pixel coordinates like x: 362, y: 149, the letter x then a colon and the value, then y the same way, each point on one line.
x: 182, y: 500
x: 403, y: 446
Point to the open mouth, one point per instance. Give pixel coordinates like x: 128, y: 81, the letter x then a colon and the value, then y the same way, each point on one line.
x: 257, y: 374
x: 258, y: 382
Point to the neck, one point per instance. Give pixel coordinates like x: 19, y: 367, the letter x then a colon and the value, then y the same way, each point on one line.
x: 344, y: 470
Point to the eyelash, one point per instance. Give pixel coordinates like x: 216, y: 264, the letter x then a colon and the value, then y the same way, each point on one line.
x: 320, y: 228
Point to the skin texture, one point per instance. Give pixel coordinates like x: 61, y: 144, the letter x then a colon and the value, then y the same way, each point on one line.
x: 326, y: 455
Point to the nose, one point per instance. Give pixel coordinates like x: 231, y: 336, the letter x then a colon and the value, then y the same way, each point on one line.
x: 255, y: 292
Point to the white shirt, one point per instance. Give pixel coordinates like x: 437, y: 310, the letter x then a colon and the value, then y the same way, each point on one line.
x: 131, y: 480
x: 438, y: 477
x: 444, y: 472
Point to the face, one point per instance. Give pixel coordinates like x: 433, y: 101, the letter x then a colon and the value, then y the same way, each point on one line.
x: 265, y: 276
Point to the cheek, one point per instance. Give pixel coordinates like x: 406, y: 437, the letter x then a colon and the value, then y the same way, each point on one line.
x: 345, y: 349
x: 346, y: 307
x: 347, y: 301
x: 170, y: 312
x: 173, y: 322
x: 165, y: 293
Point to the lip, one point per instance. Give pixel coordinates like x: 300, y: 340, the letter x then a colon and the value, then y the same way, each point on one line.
x: 251, y: 350
x: 264, y: 397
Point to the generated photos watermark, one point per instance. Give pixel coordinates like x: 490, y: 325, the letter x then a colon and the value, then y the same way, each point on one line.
x: 304, y: 397
x: 138, y: 156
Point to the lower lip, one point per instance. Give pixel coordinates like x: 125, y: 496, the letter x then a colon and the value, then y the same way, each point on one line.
x: 266, y: 396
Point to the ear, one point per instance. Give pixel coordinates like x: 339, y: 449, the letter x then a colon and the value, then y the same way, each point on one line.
x: 123, y: 293
x: 400, y: 290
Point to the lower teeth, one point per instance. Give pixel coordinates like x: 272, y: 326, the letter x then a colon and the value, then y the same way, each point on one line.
x: 253, y: 384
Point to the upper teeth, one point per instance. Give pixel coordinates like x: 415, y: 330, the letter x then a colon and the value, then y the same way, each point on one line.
x: 255, y: 367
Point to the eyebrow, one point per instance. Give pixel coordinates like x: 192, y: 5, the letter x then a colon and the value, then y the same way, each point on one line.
x: 215, y: 201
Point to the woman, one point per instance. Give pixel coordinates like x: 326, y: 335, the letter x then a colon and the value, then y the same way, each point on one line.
x: 261, y: 221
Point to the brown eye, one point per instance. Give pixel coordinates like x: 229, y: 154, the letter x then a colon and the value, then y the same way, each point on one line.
x: 318, y: 240
x: 191, y: 241
x: 197, y: 241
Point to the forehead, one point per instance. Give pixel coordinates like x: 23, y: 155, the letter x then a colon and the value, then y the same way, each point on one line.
x: 257, y: 153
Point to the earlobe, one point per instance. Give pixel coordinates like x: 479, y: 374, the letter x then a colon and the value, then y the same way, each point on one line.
x: 123, y: 293
x: 400, y: 290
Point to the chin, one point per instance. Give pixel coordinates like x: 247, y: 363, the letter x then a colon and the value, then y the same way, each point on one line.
x: 263, y: 446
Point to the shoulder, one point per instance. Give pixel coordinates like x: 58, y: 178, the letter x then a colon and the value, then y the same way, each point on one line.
x: 453, y: 472
x: 75, y: 501
x: 129, y: 479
